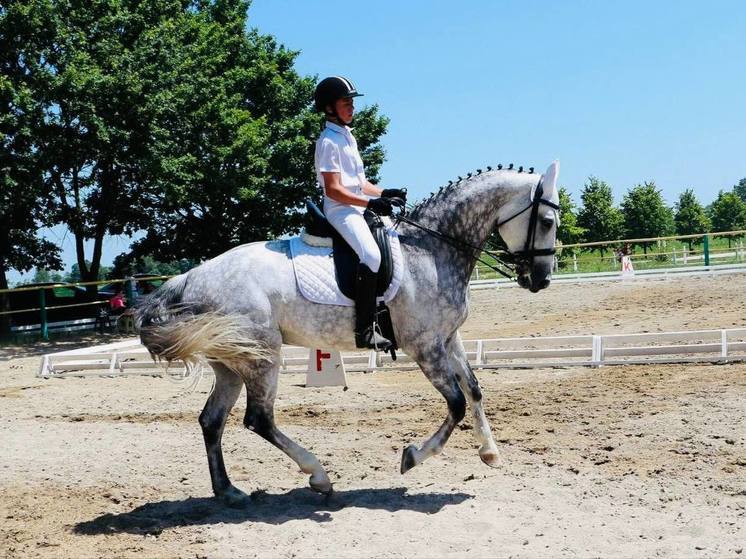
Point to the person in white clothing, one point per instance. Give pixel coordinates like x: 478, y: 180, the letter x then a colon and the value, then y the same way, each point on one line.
x: 347, y: 194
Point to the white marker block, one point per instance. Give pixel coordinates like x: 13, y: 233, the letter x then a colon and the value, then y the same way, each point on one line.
x: 325, y: 368
x: 628, y: 270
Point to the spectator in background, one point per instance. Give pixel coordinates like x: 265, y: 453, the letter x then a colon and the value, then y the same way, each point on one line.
x: 118, y: 302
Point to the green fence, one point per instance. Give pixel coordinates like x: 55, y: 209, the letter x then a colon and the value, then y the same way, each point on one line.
x: 709, y: 249
x: 33, y: 302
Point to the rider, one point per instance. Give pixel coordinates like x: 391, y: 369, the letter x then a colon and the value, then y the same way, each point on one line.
x: 347, y: 194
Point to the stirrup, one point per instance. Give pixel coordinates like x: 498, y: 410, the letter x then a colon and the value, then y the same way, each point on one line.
x: 371, y: 338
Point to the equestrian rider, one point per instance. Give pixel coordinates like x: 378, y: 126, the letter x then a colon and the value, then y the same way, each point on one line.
x: 347, y: 194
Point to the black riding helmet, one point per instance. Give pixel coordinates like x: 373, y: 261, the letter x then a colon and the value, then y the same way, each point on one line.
x: 332, y: 89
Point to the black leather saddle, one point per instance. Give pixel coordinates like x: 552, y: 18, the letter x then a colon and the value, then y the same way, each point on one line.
x: 345, y: 259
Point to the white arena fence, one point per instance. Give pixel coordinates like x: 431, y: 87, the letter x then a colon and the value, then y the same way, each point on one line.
x: 696, y: 346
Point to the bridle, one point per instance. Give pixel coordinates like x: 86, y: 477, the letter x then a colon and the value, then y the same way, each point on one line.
x: 529, y: 251
x: 508, y: 259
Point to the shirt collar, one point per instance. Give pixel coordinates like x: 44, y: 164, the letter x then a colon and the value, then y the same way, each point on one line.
x: 346, y: 130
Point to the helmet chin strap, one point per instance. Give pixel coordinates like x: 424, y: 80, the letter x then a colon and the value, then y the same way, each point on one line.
x: 335, y: 118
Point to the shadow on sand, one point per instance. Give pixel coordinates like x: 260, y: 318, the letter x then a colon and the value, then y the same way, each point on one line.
x: 297, y: 504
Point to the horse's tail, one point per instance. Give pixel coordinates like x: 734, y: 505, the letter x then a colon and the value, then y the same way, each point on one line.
x: 172, y: 329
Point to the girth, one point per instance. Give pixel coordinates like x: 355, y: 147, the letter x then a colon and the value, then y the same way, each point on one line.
x: 345, y: 259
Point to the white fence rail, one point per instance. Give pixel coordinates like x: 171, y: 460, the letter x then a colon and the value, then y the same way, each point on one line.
x: 705, y: 346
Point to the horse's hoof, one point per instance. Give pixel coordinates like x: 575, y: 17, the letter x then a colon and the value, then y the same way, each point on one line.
x: 491, y: 457
x: 234, y: 498
x: 321, y: 484
x: 408, y: 458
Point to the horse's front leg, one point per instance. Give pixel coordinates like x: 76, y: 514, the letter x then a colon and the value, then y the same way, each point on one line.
x: 435, y: 364
x: 470, y: 385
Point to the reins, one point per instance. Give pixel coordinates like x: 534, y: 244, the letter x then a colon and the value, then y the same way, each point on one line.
x: 461, y: 246
x: 507, y: 259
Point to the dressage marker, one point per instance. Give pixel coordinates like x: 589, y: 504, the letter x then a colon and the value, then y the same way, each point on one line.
x: 325, y: 368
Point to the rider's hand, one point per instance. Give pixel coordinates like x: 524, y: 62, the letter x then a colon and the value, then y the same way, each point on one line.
x: 381, y: 206
x: 395, y: 193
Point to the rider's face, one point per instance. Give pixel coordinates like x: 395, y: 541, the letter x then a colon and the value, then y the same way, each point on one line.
x: 345, y: 109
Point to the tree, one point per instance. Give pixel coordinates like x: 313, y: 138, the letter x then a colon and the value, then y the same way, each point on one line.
x: 740, y: 189
x: 690, y: 217
x: 23, y: 34
x: 42, y: 275
x: 172, y: 117
x: 728, y: 213
x: 569, y: 231
x: 646, y: 214
x: 74, y: 275
x: 598, y: 216
x: 97, y: 133
x: 126, y: 265
x: 239, y: 165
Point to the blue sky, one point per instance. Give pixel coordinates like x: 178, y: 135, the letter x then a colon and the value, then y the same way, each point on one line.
x: 627, y: 91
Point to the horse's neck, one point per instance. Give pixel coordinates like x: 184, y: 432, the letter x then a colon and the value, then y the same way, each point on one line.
x: 469, y: 210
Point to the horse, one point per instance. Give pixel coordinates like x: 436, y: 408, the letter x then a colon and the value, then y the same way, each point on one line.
x: 238, y: 308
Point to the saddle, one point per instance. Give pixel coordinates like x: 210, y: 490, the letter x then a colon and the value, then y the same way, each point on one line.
x: 346, y: 262
x: 345, y: 259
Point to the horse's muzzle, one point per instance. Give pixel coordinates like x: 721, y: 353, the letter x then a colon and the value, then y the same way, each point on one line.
x: 541, y: 276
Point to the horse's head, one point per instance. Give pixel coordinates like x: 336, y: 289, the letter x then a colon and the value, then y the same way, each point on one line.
x: 528, y: 224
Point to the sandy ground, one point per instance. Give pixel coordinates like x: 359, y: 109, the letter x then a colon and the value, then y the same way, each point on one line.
x: 633, y: 461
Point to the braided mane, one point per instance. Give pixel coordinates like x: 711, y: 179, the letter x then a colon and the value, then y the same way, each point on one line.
x: 453, y: 184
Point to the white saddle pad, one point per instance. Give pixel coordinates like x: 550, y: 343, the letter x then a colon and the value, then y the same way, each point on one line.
x: 314, y: 272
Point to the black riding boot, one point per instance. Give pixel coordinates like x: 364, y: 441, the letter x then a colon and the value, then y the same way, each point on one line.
x: 365, y: 311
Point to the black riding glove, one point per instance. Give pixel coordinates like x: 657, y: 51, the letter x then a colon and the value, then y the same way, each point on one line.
x: 381, y: 206
x: 395, y: 193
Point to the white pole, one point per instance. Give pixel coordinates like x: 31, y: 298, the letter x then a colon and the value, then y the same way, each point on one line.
x: 674, y: 255
x: 574, y: 263
x: 686, y: 253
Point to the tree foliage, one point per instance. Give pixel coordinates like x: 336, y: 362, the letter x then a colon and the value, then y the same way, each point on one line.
x: 599, y: 217
x: 171, y: 116
x: 239, y: 165
x: 23, y: 32
x: 690, y: 217
x: 728, y: 212
x: 646, y: 214
x: 127, y: 264
x: 569, y: 231
x: 740, y: 189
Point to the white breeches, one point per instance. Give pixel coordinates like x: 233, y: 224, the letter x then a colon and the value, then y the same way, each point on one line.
x: 350, y: 223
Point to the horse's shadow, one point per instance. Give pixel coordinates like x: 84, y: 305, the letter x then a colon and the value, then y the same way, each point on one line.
x: 297, y: 504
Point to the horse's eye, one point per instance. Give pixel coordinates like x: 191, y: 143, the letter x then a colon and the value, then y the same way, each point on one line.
x: 547, y: 222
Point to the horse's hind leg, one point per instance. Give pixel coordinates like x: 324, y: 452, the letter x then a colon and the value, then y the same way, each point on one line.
x: 435, y: 364
x: 212, y: 419
x: 261, y: 390
x: 470, y: 385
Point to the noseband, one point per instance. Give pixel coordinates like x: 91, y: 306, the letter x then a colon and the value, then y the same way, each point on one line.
x: 509, y: 259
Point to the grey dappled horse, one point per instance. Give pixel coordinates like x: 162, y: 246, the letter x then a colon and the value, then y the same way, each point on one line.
x: 240, y: 307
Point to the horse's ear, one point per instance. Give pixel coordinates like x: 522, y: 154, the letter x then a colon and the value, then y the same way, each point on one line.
x: 550, y: 183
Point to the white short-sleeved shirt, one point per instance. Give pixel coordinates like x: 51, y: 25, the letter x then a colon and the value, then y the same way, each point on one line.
x: 336, y: 152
